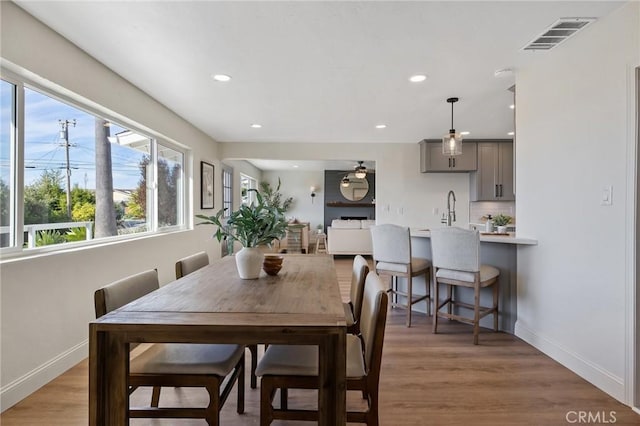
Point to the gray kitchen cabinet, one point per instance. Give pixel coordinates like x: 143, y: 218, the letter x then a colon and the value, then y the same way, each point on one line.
x: 493, y: 180
x: 432, y: 160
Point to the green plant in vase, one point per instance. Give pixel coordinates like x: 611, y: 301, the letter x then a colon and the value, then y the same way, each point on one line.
x: 253, y: 225
x: 501, y: 221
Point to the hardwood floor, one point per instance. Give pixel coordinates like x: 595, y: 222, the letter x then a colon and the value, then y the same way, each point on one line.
x: 426, y: 379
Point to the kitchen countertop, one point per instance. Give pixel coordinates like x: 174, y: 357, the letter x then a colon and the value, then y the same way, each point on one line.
x: 512, y: 238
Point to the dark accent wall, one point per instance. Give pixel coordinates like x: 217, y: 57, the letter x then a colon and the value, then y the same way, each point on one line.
x: 364, y: 208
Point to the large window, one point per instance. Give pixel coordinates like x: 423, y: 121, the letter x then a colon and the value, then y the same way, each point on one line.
x: 83, y: 176
x: 7, y: 154
x: 247, y: 183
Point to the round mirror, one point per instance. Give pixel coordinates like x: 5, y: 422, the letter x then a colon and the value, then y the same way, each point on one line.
x: 353, y: 188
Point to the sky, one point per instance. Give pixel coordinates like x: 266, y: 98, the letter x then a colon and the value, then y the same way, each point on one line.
x: 45, y: 148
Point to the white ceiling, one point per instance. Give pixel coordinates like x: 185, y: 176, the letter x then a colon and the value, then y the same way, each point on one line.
x: 318, y: 71
x: 309, y: 165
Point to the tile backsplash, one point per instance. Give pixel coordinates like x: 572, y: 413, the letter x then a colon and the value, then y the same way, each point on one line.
x: 482, y: 208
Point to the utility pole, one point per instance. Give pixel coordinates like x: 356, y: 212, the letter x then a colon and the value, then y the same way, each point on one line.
x: 64, y: 135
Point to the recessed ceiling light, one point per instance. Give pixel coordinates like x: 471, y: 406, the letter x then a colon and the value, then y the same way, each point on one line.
x: 512, y: 106
x: 295, y: 166
x: 221, y: 77
x: 465, y: 133
x: 256, y: 126
x: 381, y: 126
x: 418, y: 78
x: 511, y: 133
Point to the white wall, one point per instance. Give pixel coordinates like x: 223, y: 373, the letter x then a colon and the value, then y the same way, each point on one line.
x: 573, y: 139
x: 47, y: 300
x: 403, y: 194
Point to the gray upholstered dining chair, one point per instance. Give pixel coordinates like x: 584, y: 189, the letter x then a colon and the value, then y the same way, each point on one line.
x: 353, y: 308
x: 296, y: 366
x: 175, y: 364
x: 192, y: 263
x: 392, y: 257
x: 456, y: 262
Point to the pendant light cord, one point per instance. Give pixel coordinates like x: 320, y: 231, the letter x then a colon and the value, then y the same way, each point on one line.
x: 452, y: 116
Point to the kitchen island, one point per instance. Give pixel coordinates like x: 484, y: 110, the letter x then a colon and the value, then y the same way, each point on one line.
x: 500, y: 251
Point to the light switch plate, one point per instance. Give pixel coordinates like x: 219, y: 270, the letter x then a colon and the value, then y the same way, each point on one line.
x: 607, y: 196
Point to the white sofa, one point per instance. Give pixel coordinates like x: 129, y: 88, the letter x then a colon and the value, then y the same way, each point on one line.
x: 350, y: 237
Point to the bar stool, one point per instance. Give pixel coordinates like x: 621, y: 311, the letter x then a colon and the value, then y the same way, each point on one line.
x: 392, y: 256
x: 456, y: 262
x: 321, y: 243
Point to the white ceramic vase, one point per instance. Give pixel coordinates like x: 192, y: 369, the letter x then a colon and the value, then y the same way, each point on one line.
x: 502, y: 229
x: 249, y: 262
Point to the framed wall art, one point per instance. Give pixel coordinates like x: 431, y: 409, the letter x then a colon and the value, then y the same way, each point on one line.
x: 206, y: 185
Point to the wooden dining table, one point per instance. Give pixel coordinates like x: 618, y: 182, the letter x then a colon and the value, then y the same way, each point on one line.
x: 301, y: 305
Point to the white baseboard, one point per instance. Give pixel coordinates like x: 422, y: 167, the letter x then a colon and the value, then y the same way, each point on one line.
x: 607, y: 382
x: 24, y: 386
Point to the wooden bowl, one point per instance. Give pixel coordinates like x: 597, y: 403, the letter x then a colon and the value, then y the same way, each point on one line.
x: 272, y: 264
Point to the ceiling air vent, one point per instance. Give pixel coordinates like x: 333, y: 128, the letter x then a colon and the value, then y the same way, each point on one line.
x: 561, y: 30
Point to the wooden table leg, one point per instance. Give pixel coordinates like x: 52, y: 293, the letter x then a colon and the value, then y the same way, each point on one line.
x: 108, y: 374
x: 332, y: 396
x: 96, y: 404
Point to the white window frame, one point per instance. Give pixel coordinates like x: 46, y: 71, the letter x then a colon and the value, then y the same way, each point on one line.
x: 251, y: 196
x: 17, y: 168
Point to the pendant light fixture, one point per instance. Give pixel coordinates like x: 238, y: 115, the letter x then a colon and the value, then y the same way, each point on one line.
x: 345, y: 181
x: 452, y: 141
x: 361, y: 171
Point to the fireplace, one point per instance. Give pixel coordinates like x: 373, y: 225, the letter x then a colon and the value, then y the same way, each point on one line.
x: 354, y: 217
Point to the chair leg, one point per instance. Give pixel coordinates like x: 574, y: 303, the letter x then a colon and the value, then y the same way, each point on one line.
x: 496, y: 289
x: 254, y: 364
x: 372, y: 412
x: 476, y: 313
x: 394, y: 289
x: 409, y: 299
x: 240, y: 384
x: 155, y: 396
x: 436, y: 303
x: 284, y: 399
x: 266, y: 396
x: 450, y: 299
x: 427, y: 284
x: 212, y: 412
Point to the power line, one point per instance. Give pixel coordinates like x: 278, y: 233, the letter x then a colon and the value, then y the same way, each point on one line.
x: 64, y: 135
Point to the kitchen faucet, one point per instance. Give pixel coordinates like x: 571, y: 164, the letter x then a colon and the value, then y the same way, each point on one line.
x: 451, y: 213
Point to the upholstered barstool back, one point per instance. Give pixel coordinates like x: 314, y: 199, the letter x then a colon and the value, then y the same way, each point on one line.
x: 392, y: 257
x: 456, y: 262
x: 190, y: 264
x: 455, y: 248
x: 391, y: 245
